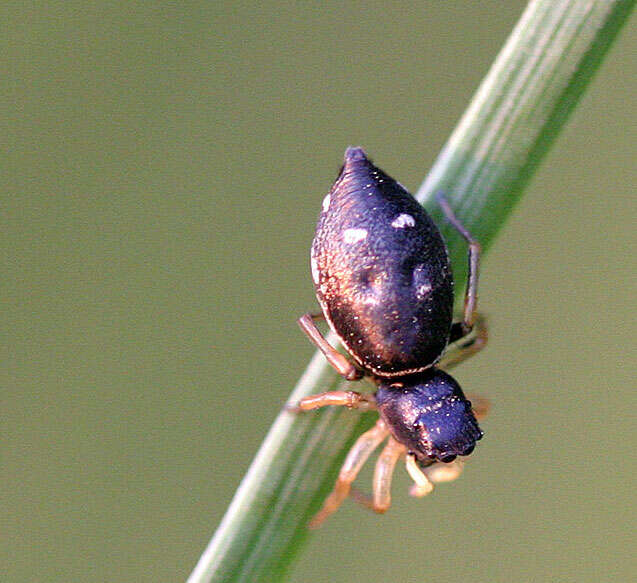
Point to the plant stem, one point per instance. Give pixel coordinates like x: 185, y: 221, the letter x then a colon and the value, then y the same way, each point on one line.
x: 512, y: 120
x: 518, y: 110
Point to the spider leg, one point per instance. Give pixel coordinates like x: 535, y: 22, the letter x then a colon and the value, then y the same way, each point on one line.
x: 361, y: 498
x: 422, y: 484
x: 471, y: 294
x: 479, y: 405
x: 354, y: 461
x: 383, y: 474
x: 349, y: 399
x: 463, y: 345
x: 339, y: 362
x: 424, y: 479
x: 444, y: 472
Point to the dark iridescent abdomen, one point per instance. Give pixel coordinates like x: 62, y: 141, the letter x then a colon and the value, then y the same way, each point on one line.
x: 381, y: 272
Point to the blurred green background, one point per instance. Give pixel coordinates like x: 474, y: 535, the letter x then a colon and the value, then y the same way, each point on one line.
x: 163, y: 168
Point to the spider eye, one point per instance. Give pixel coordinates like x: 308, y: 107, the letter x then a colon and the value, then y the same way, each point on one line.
x: 449, y: 458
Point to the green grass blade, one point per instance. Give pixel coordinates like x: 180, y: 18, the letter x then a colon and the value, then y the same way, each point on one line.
x: 510, y: 124
x: 518, y: 111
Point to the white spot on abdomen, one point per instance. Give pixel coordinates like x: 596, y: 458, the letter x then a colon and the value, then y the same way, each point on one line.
x: 354, y: 235
x: 423, y: 290
x: 326, y: 203
x: 315, y: 271
x: 402, y: 221
x: 371, y: 300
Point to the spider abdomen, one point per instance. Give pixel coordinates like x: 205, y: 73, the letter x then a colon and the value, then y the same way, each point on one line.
x: 381, y: 272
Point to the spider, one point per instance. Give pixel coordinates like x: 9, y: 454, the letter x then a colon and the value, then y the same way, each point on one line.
x: 383, y: 280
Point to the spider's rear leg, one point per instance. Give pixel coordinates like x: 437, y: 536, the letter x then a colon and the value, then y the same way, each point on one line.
x: 339, y: 362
